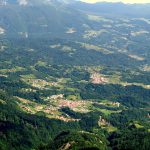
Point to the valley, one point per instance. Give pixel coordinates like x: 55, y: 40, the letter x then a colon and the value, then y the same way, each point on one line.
x: 73, y: 76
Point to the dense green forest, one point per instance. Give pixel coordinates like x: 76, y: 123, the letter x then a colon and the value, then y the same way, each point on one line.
x: 25, y: 84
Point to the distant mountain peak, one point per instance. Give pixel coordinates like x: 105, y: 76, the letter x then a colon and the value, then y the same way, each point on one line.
x: 20, y: 2
x: 67, y: 1
x: 23, y: 2
x: 34, y: 2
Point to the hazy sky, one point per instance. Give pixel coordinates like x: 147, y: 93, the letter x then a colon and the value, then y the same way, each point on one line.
x: 125, y: 1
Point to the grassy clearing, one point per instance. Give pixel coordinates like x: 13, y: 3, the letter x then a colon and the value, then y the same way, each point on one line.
x: 116, y: 79
x: 110, y: 128
x: 89, y: 34
x: 99, y: 18
x: 29, y: 76
x: 16, y: 69
x: 138, y: 125
x: 105, y: 111
x: 96, y: 48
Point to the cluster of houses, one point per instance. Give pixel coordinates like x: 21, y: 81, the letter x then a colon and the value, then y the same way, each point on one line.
x: 98, y: 79
x: 39, y: 83
x: 117, y: 104
x: 66, y: 119
x: 103, y: 122
x: 55, y: 97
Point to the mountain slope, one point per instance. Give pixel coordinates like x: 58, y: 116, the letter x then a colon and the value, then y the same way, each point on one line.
x: 115, y: 9
x: 39, y: 17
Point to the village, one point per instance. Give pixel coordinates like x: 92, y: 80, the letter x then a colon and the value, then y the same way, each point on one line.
x: 39, y: 83
x: 98, y: 79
